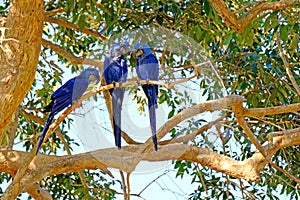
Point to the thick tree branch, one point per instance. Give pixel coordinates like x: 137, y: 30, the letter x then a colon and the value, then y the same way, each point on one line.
x: 238, y: 24
x: 127, y: 158
x: 60, y: 136
x: 45, y: 165
x: 36, y: 192
x: 260, y: 112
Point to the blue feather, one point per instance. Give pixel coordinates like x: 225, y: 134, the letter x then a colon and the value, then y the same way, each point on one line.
x: 147, y: 68
x: 72, y: 90
x: 116, y: 70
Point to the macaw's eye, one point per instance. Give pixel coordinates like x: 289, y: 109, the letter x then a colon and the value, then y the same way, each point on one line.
x: 121, y: 45
x: 139, y: 52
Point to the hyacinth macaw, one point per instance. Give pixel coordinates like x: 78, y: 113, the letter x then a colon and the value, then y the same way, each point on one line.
x: 116, y: 70
x: 147, y: 69
x: 72, y: 90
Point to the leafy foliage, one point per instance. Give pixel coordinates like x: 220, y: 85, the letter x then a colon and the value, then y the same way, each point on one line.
x: 249, y: 64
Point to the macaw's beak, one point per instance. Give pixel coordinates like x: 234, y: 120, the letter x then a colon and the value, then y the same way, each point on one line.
x: 139, y: 52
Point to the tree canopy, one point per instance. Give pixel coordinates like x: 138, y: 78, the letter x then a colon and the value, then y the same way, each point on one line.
x: 238, y: 61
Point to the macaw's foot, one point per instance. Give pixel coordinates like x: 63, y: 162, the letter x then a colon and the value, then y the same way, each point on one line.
x: 114, y: 84
x: 147, y: 81
x: 76, y: 104
x: 138, y: 81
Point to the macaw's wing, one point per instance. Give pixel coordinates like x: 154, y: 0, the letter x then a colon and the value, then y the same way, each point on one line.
x: 80, y: 85
x: 113, y: 73
x: 67, y: 93
x: 124, y: 68
x: 65, y: 89
x: 106, y: 63
x: 147, y: 68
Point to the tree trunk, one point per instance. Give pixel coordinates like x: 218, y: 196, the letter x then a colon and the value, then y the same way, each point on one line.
x: 20, y: 47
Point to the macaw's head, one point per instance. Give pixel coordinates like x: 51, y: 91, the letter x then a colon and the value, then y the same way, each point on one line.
x: 91, y: 74
x: 142, y: 50
x: 119, y: 48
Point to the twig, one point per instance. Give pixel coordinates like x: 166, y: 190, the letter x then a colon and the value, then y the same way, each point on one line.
x: 123, y: 185
x: 224, y: 152
x: 201, y: 177
x: 238, y: 24
x: 153, y: 182
x: 286, y: 64
x: 128, y: 185
x: 75, y: 27
x: 134, y: 195
x: 53, y: 12
x: 193, y: 134
x: 73, y: 59
x: 217, y: 74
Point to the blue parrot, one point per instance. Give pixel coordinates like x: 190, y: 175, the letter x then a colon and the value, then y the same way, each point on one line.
x: 72, y: 90
x: 147, y: 69
x: 116, y: 70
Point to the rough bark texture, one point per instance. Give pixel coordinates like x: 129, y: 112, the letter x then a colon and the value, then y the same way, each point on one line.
x: 19, y: 56
x: 125, y: 159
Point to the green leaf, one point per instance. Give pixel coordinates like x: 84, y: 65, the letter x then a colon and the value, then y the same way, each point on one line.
x: 81, y: 22
x: 284, y: 33
x: 227, y: 40
x: 159, y: 19
x: 171, y: 114
x: 206, y: 7
x: 198, y: 33
x: 294, y: 43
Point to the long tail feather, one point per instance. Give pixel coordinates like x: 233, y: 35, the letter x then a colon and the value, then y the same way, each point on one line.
x: 117, y: 98
x: 46, y: 127
x: 152, y: 105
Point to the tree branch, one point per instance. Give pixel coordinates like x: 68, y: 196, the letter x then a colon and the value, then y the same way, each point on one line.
x: 75, y: 27
x: 127, y: 158
x: 238, y: 24
x: 36, y: 192
x: 73, y: 59
x: 46, y: 165
x: 287, y: 65
x: 53, y: 12
x: 259, y: 112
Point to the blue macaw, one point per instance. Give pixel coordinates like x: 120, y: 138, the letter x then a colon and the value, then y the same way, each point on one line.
x: 72, y: 90
x: 116, y: 70
x: 147, y: 69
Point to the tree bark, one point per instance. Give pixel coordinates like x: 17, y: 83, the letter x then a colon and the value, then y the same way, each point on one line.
x: 20, y: 48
